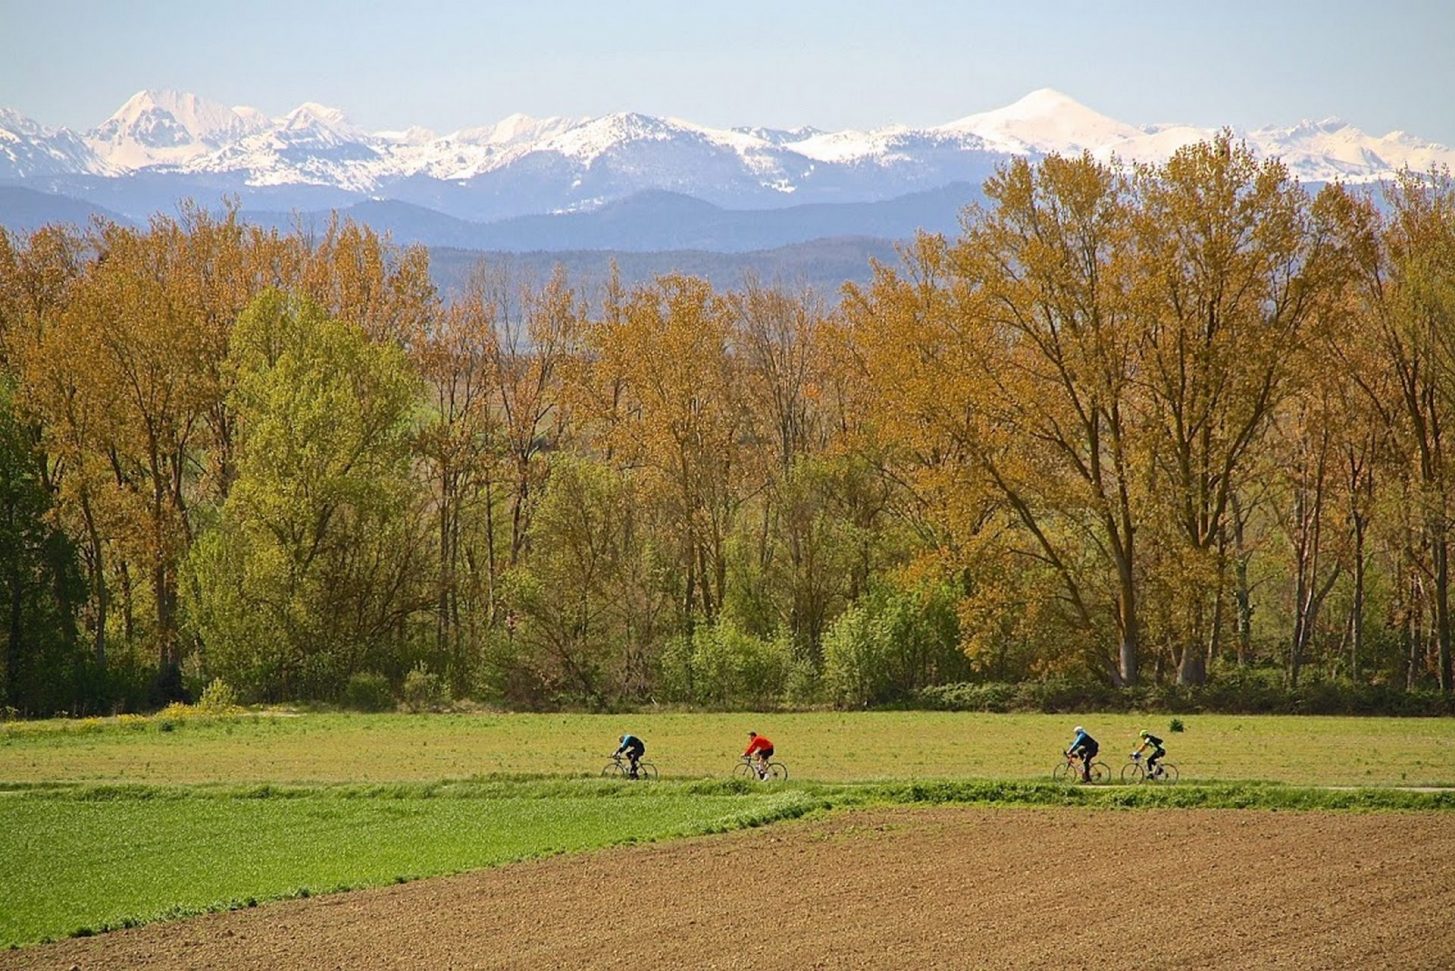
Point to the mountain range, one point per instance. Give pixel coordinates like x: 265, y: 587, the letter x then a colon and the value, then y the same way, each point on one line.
x: 628, y: 181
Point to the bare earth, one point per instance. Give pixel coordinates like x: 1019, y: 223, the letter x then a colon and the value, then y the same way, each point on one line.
x: 894, y: 888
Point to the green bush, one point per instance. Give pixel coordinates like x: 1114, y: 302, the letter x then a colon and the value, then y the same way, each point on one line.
x: 1234, y: 693
x: 892, y: 644
x: 854, y: 659
x: 424, y: 690
x: 803, y: 685
x: 731, y: 667
x: 218, y: 698
x: 368, y: 691
x: 674, y: 668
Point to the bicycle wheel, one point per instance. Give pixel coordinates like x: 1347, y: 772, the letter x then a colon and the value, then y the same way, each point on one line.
x: 1066, y: 772
x: 1132, y: 773
x: 647, y: 771
x: 614, y: 770
x: 1100, y: 774
x: 777, y: 772
x: 1167, y: 776
x: 744, y: 771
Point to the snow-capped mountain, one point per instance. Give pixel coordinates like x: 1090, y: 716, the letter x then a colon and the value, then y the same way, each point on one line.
x: 170, y: 128
x: 1044, y: 121
x: 30, y: 149
x: 162, y: 142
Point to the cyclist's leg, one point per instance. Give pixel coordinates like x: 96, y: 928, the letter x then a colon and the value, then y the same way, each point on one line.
x: 1152, y: 769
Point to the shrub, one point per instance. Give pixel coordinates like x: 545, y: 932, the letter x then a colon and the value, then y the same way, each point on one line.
x: 732, y: 667
x: 1240, y: 693
x: 218, y: 698
x: 803, y: 685
x: 1176, y: 725
x: 854, y: 662
x: 892, y: 644
x: 424, y: 690
x: 675, y: 668
x: 368, y: 691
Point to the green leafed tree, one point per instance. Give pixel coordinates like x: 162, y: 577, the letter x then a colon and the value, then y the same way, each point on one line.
x: 41, y: 655
x: 315, y: 569
x: 590, y: 607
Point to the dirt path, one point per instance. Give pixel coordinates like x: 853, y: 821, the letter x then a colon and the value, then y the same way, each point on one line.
x: 900, y: 888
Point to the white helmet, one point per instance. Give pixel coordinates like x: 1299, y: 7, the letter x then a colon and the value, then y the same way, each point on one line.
x: 1079, y: 729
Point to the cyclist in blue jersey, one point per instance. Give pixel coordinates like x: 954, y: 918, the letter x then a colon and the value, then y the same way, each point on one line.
x: 633, y: 748
x: 1084, y: 747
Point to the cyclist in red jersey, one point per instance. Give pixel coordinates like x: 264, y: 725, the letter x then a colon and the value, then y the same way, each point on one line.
x: 760, y: 748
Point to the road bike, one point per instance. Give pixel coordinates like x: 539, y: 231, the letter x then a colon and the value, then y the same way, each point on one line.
x: 1070, y: 771
x: 749, y: 768
x: 620, y: 767
x: 1135, y: 771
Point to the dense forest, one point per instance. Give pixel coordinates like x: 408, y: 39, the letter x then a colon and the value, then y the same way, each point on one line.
x: 1152, y: 425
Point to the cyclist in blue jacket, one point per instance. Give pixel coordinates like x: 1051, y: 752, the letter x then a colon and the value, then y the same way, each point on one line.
x: 633, y: 748
x: 1084, y: 747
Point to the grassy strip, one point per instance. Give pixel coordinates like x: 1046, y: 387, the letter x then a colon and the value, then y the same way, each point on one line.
x: 1240, y: 795
x: 85, y: 859
x: 1228, y: 796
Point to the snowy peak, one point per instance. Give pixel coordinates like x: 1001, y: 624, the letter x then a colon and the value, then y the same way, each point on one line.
x: 779, y: 136
x: 28, y: 149
x: 316, y: 118
x: 522, y: 165
x: 169, y: 127
x: 1043, y: 121
x: 514, y: 130
x: 413, y: 135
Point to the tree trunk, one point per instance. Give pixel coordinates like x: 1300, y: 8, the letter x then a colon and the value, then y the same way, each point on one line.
x: 1128, y: 625
x: 1441, y: 553
x: 1356, y: 609
x: 1215, y: 636
x: 1242, y: 592
x: 15, y: 626
x: 99, y: 590
x: 1192, y: 670
x: 166, y: 598
x: 1408, y: 640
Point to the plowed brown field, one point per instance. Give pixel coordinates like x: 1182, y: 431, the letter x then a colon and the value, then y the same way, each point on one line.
x: 894, y: 888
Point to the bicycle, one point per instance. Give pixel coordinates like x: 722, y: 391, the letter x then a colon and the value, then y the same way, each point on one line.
x: 1070, y: 771
x: 620, y: 767
x: 748, y: 768
x: 1136, y: 771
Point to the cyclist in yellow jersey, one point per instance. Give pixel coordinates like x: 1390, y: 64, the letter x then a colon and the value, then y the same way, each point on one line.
x: 1153, y: 742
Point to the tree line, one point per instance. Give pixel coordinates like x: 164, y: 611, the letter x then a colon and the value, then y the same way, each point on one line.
x: 1135, y: 424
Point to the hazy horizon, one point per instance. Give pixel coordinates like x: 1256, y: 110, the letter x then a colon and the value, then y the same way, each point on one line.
x: 448, y: 66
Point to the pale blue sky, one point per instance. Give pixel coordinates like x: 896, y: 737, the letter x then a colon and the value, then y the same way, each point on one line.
x: 1380, y: 65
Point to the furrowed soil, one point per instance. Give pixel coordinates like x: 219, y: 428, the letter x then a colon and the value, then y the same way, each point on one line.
x: 885, y: 888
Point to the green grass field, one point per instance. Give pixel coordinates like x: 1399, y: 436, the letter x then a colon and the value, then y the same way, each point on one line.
x: 87, y: 860
x: 107, y: 823
x: 824, y: 746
